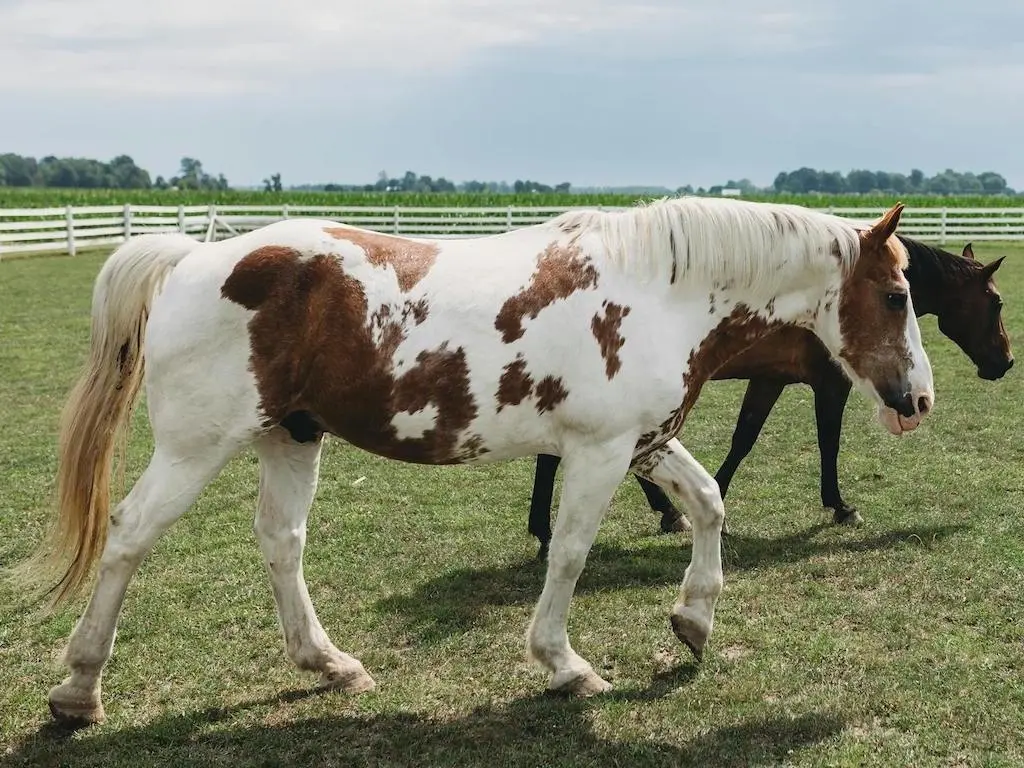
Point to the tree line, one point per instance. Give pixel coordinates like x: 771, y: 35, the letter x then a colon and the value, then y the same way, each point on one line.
x: 411, y: 182
x: 122, y: 173
x: 864, y: 182
x: 85, y: 173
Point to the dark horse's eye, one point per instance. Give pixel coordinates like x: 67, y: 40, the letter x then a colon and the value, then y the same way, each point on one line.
x: 896, y: 300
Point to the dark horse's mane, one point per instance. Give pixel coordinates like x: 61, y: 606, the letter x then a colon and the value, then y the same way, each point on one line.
x: 936, y: 265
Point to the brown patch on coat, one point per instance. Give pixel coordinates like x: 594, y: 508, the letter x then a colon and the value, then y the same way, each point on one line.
x: 550, y: 392
x: 515, y: 384
x: 410, y: 260
x: 252, y: 280
x: 313, y: 350
x: 606, y: 331
x: 739, y: 330
x: 561, y: 271
x: 734, y: 334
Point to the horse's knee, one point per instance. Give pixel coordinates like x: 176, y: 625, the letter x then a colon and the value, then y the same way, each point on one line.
x: 710, y: 506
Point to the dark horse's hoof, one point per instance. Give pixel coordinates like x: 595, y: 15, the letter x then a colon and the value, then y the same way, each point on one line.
x: 843, y: 514
x: 674, y: 521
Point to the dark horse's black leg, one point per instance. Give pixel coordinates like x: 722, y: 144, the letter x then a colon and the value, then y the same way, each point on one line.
x: 760, y: 398
x: 830, y: 396
x: 539, y: 524
x: 671, y: 518
x: 540, y: 503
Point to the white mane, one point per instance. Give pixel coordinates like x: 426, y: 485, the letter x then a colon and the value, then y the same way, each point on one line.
x: 716, y: 240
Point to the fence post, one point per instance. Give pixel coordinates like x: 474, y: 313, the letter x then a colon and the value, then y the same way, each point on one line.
x: 181, y: 219
x: 942, y: 227
x: 69, y: 222
x: 284, y: 211
x: 211, y: 222
x: 394, y: 227
x: 127, y: 221
x: 509, y: 219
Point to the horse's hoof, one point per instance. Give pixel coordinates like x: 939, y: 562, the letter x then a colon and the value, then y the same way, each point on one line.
x: 692, y: 631
x: 676, y: 523
x: 844, y: 515
x: 584, y: 685
x: 350, y: 679
x: 76, y: 708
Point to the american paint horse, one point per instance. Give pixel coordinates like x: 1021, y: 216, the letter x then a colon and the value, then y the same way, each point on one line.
x: 588, y: 336
x: 959, y: 290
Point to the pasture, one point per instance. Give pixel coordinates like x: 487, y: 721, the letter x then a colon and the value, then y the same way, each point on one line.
x: 897, y: 643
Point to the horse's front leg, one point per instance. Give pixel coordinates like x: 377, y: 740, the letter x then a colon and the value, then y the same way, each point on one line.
x: 591, y: 475
x: 674, y: 468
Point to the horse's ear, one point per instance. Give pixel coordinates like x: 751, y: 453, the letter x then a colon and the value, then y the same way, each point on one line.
x: 969, y: 253
x: 990, y: 269
x: 884, y: 228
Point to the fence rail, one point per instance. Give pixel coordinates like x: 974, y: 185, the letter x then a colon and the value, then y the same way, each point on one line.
x: 70, y: 229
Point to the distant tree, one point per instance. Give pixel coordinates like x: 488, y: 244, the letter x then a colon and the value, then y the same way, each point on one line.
x: 563, y: 188
x: 273, y: 183
x: 993, y: 183
x: 192, y: 176
x: 862, y: 182
x: 18, y: 171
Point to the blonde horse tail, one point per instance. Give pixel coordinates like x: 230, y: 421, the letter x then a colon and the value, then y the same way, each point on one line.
x: 94, y: 423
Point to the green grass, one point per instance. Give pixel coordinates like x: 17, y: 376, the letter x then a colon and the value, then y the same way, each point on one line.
x: 39, y: 197
x: 899, y: 643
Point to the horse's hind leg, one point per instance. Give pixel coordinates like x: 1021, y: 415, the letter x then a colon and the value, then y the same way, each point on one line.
x: 162, y: 494
x: 694, y: 612
x: 288, y: 480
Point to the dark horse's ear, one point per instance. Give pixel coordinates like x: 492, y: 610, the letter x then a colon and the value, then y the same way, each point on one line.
x: 883, y: 229
x: 990, y: 269
x: 969, y: 252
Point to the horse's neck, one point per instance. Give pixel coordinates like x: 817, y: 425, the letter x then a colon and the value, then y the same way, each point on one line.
x: 932, y: 281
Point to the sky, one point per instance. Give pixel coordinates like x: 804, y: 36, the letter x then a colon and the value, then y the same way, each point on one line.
x: 594, y: 92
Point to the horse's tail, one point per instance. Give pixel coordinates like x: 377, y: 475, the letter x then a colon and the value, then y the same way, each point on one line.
x: 95, y: 419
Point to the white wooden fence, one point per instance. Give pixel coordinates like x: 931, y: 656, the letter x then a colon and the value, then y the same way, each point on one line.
x: 72, y: 229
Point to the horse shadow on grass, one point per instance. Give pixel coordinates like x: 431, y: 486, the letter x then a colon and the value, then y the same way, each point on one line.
x: 459, y: 599
x: 541, y: 730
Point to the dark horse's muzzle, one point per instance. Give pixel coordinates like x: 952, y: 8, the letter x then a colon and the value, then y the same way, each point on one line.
x: 994, y: 371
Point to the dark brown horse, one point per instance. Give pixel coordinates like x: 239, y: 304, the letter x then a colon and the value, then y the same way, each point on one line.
x: 958, y: 289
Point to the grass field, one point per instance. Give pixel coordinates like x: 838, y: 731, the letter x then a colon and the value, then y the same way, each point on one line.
x: 45, y: 197
x: 898, y: 643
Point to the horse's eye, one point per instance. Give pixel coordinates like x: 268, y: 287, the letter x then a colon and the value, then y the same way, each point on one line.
x: 897, y: 301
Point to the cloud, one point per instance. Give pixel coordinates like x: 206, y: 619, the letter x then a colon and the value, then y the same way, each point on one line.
x: 228, y: 46
x: 221, y: 46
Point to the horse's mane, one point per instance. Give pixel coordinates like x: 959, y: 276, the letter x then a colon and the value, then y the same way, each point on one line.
x: 929, y: 260
x: 715, y: 240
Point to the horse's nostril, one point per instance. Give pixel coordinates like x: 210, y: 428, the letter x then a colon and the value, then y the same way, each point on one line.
x: 923, y: 404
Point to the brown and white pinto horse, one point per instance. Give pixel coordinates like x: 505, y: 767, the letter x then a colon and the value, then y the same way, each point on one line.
x: 959, y: 290
x: 588, y: 336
